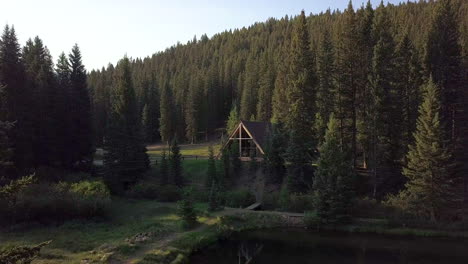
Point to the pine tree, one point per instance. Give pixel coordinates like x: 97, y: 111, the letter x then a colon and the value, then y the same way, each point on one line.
x: 150, y: 117
x: 350, y: 79
x: 249, y: 93
x: 326, y: 85
x: 301, y: 98
x: 442, y: 60
x: 274, y: 156
x: 279, y: 104
x: 17, y: 99
x: 41, y: 81
x: 164, y: 169
x: 265, y: 92
x: 211, y: 176
x: 233, y: 119
x: 191, y: 115
x: 175, y: 164
x: 333, y: 183
x: 225, y: 177
x: 166, y: 120
x: 301, y: 84
x: 125, y: 155
x: 81, y: 142
x: 63, y: 72
x: 386, y: 106
x: 430, y: 189
x: 6, y: 150
x: 409, y: 82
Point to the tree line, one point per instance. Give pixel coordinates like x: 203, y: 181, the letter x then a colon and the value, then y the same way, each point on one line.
x: 45, y: 109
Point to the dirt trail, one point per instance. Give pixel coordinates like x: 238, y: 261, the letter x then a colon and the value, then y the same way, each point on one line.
x: 165, y: 241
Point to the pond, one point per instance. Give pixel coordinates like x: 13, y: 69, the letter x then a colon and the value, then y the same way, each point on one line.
x: 303, y: 246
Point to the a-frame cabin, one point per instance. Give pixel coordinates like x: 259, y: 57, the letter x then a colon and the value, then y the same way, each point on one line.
x: 250, y: 138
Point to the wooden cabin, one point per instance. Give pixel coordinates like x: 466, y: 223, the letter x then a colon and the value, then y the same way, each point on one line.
x: 250, y: 138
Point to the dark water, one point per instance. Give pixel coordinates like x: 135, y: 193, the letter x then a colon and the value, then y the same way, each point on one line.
x: 292, y: 246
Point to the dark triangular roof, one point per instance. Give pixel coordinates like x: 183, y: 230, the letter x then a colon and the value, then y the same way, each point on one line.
x: 258, y: 130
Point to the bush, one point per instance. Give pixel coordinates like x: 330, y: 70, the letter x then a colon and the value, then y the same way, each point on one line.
x: 300, y: 203
x: 55, y: 203
x: 239, y: 198
x: 169, y: 193
x: 186, y: 210
x: 145, y: 190
x: 271, y: 201
x: 312, y: 220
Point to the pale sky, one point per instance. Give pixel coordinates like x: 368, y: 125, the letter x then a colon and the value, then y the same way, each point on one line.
x: 106, y: 30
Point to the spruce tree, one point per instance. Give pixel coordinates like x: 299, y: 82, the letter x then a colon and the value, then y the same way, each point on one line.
x: 386, y: 106
x: 191, y: 115
x: 81, y: 142
x: 166, y: 120
x: 150, y: 116
x: 63, y: 72
x: 6, y: 147
x: 442, y: 60
x: 350, y: 79
x: 279, y: 104
x: 408, y: 81
x: 164, y: 169
x: 233, y: 119
x: 249, y: 93
x: 274, y: 162
x: 333, y: 182
x: 175, y: 165
x: 301, y: 84
x: 42, y: 85
x: 326, y: 85
x: 17, y: 99
x: 431, y: 187
x: 125, y: 155
x: 211, y: 176
x: 265, y: 92
x: 301, y: 98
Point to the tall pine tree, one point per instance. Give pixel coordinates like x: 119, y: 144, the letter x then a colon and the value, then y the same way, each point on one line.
x: 81, y: 145
x: 125, y: 155
x: 431, y: 189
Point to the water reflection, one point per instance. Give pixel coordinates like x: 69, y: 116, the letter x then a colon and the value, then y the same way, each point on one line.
x: 247, y: 251
x: 301, y: 246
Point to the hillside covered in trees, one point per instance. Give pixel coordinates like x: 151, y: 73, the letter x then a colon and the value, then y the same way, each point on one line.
x: 394, y: 78
x: 365, y: 64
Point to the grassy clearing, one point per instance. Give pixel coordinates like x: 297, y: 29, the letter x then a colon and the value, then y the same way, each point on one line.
x: 75, y: 241
x: 187, y: 150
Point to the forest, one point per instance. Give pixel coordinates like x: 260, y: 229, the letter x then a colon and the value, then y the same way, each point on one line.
x: 368, y: 106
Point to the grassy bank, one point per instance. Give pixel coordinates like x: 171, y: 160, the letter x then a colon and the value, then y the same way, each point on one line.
x: 99, y: 241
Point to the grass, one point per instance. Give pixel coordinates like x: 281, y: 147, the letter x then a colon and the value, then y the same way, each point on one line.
x: 187, y: 150
x: 79, y: 240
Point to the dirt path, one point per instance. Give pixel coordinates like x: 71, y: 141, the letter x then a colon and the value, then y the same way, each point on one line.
x: 165, y: 241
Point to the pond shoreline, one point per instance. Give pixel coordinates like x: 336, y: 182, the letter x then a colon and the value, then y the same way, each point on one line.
x: 183, y: 247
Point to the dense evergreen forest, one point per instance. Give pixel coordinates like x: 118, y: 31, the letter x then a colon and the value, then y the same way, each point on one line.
x: 367, y: 65
x: 386, y: 84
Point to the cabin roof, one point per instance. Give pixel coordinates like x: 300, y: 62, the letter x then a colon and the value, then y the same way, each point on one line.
x: 258, y: 130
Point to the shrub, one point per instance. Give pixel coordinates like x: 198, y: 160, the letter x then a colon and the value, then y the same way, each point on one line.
x: 271, y: 201
x: 239, y: 198
x: 145, y: 190
x: 312, y: 220
x: 55, y: 203
x: 186, y: 210
x: 169, y: 193
x: 300, y: 203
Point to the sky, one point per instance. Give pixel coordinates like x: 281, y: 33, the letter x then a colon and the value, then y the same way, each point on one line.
x: 106, y: 30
